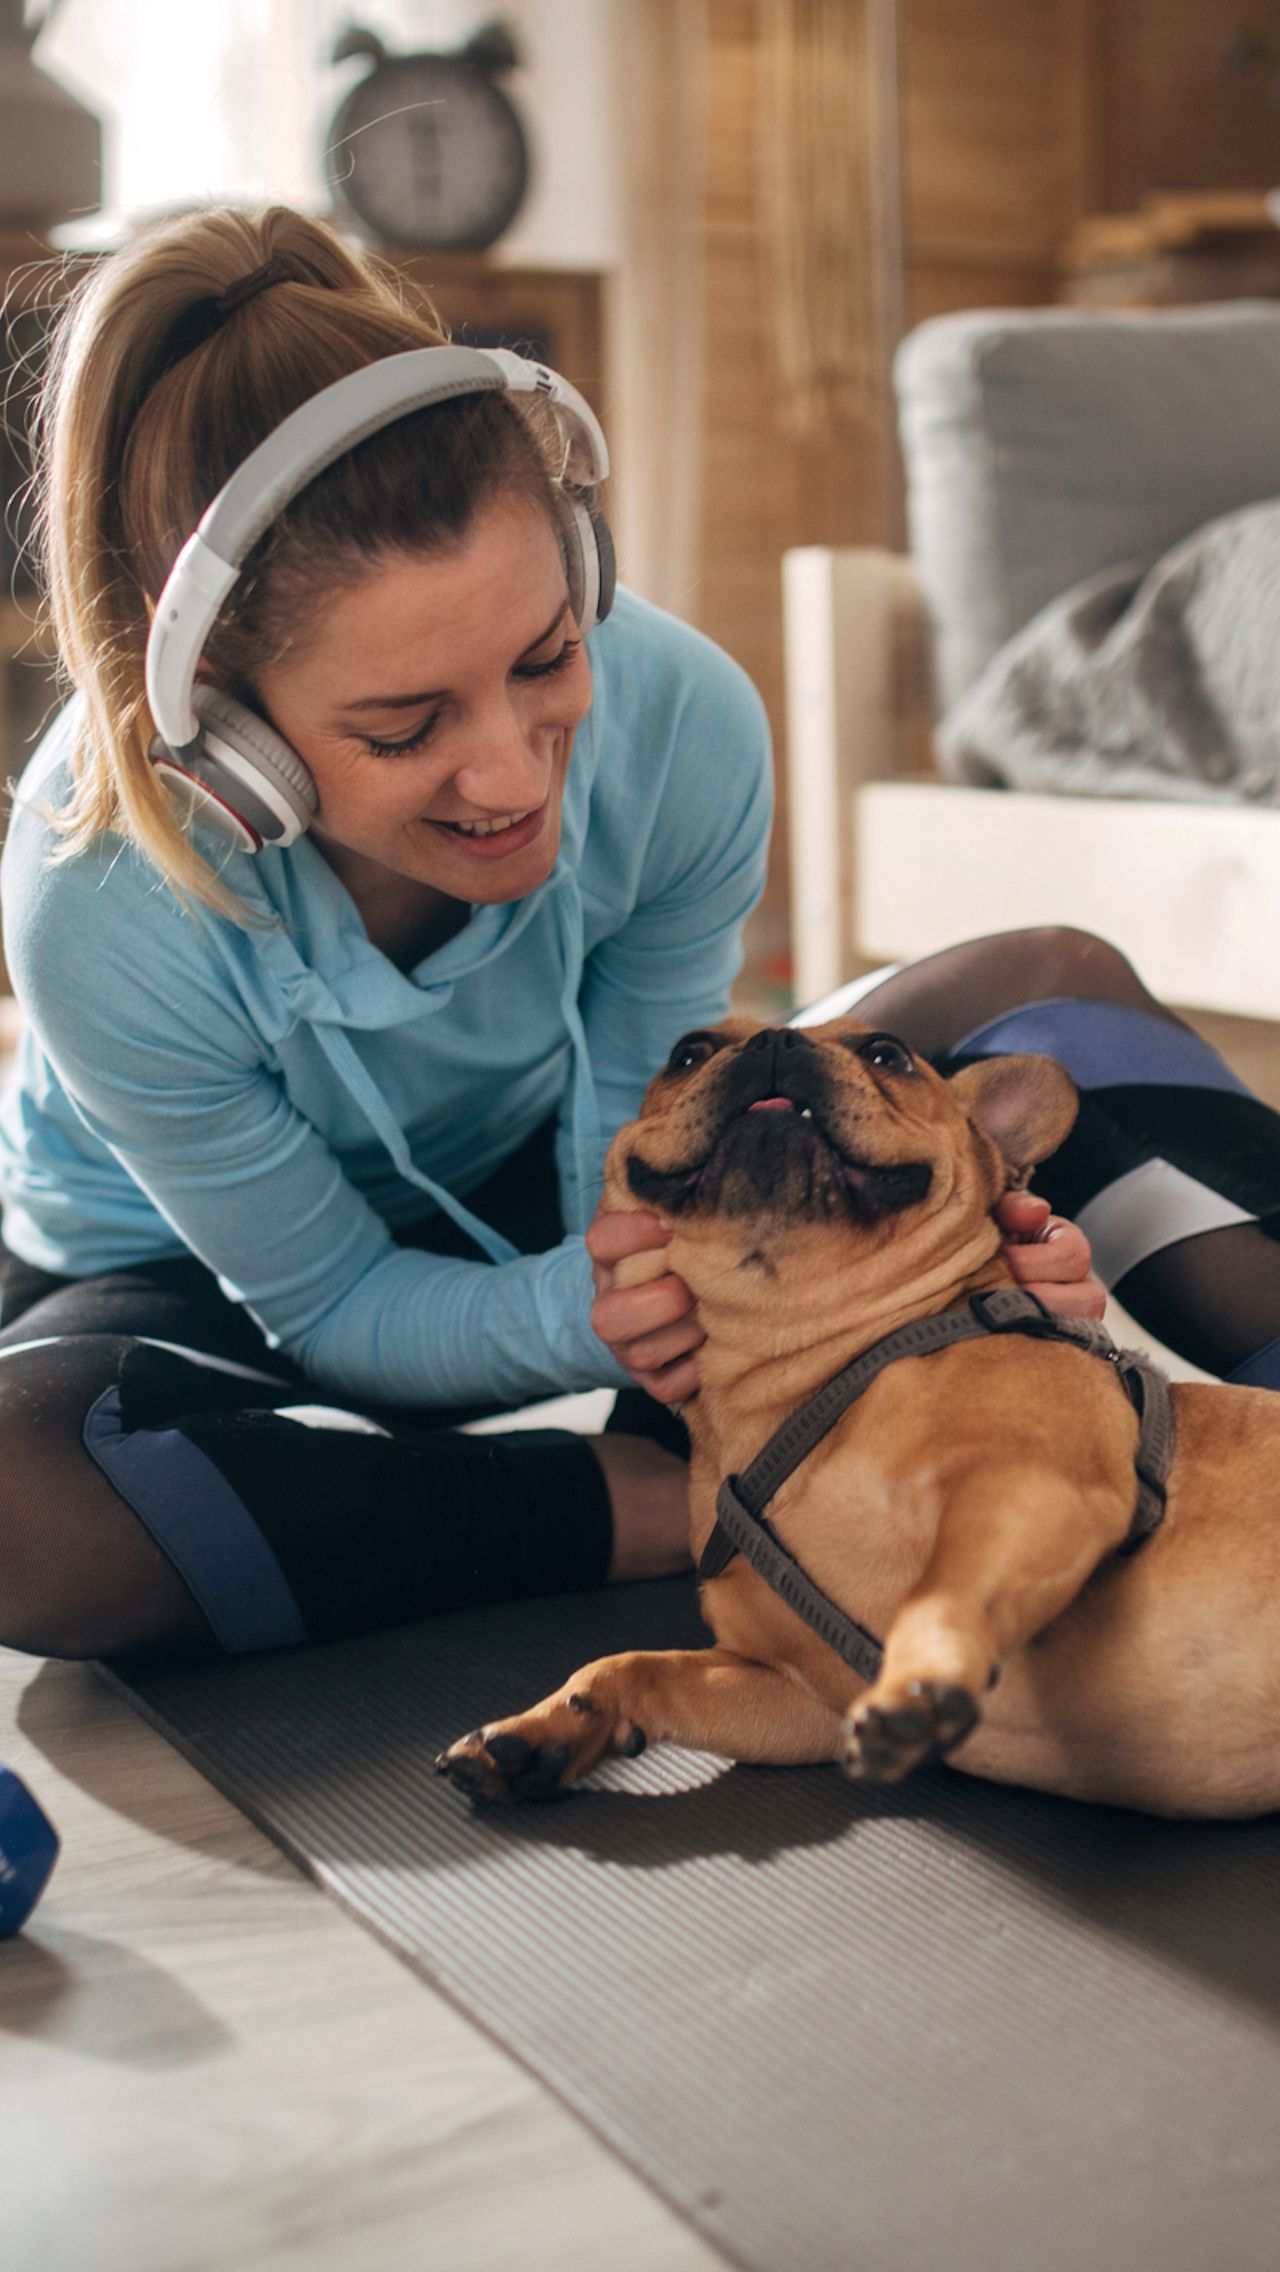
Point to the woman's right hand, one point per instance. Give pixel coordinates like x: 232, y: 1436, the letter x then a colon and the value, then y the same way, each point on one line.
x: 651, y: 1328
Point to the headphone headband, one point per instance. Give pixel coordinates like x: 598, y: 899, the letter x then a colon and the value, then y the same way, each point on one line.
x: 312, y: 437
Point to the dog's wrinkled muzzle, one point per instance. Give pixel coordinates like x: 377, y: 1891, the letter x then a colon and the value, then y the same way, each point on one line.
x: 768, y: 1143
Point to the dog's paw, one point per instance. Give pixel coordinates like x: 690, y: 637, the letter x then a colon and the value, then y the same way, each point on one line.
x: 496, y: 1765
x: 539, y: 1755
x: 884, y: 1738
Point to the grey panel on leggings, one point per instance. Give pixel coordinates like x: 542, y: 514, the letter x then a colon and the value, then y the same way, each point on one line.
x: 953, y: 2027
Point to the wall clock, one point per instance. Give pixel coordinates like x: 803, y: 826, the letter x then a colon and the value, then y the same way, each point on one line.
x: 426, y: 152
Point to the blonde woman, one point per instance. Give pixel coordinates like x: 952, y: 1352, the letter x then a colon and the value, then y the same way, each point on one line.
x: 377, y: 861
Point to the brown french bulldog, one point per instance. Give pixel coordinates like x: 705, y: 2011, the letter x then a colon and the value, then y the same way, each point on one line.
x: 824, y: 1187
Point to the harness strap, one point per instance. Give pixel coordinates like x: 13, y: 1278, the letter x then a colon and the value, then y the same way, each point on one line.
x: 740, y: 1527
x: 740, y: 1531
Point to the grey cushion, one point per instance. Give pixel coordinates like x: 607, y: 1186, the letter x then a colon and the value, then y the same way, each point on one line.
x: 1045, y: 444
x: 1140, y: 682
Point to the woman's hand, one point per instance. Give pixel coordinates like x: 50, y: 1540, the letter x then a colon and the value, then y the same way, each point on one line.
x: 654, y: 1334
x: 651, y: 1329
x: 1049, y: 1256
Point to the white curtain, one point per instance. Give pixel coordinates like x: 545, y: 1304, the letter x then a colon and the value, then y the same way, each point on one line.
x: 198, y: 98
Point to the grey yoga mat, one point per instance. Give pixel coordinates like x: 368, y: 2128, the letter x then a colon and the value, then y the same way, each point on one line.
x: 952, y: 2026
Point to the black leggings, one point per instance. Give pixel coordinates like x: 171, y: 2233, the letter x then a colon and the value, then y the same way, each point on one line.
x: 270, y: 1511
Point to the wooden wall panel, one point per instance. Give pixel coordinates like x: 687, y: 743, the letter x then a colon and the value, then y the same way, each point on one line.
x: 938, y: 284
x: 1178, y: 113
x: 980, y: 119
x: 999, y: 150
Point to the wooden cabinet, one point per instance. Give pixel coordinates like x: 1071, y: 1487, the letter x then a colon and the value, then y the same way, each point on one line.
x: 553, y: 314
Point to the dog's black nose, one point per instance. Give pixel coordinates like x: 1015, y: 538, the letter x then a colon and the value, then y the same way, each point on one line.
x: 782, y: 1043
x: 777, y: 1037
x: 778, y: 1061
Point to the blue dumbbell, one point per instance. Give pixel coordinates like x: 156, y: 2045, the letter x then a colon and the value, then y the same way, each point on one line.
x: 28, y: 1850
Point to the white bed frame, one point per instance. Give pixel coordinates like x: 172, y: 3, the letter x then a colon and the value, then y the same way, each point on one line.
x: 888, y: 863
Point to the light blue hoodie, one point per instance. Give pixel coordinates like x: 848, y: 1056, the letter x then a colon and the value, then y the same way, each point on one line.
x: 273, y: 1099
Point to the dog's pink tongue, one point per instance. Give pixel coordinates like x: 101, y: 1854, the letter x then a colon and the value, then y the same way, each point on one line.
x: 772, y: 1104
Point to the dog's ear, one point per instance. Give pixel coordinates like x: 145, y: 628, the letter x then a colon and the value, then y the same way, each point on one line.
x: 1025, y: 1105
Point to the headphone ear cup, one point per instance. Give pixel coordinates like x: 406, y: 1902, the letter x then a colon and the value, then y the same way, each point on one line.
x: 606, y: 557
x: 586, y: 546
x: 246, y: 766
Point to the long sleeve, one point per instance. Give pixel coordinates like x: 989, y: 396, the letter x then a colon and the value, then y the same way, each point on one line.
x: 165, y: 1071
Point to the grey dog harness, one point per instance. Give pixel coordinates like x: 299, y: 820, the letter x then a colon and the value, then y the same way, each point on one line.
x: 740, y: 1527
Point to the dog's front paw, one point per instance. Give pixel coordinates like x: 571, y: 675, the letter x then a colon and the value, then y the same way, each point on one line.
x: 886, y: 1736
x: 538, y: 1755
x: 497, y: 1765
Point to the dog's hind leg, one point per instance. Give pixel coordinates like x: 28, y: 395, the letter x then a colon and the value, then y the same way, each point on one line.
x: 1014, y: 1547
x: 708, y: 1699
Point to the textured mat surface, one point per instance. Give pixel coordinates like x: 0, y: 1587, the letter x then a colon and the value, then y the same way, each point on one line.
x: 957, y: 2027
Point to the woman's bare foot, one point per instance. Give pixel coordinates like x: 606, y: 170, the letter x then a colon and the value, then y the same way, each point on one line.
x: 649, y: 1493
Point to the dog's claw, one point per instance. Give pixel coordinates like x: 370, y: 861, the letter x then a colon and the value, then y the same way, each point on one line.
x: 884, y: 1742
x: 466, y: 1771
x: 464, y: 1754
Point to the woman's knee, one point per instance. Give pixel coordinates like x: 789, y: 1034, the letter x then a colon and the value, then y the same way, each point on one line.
x: 47, y: 1581
x: 1054, y: 959
x: 79, y: 1576
x: 936, y: 1002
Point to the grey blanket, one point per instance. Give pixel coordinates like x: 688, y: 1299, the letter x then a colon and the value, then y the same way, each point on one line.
x: 1156, y: 679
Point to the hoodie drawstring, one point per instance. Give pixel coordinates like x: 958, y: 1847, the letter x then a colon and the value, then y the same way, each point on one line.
x: 584, y: 1118
x: 360, y: 1084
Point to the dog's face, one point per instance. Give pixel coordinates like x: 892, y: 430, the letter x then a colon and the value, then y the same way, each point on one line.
x: 839, y: 1125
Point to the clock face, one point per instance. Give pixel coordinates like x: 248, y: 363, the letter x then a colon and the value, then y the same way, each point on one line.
x: 429, y: 154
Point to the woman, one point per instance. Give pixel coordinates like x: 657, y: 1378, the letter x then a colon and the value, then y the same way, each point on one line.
x: 245, y: 1305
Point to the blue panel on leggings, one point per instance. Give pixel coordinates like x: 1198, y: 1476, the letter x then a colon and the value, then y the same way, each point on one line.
x: 196, y: 1520
x: 1104, y: 1046
x: 1262, y: 1370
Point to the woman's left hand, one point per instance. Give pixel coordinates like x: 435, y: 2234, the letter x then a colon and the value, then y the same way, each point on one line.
x: 1049, y: 1256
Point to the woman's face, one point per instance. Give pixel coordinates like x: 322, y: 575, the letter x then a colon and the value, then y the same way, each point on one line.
x: 434, y: 701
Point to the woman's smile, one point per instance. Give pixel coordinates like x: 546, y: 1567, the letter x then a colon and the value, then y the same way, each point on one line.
x: 496, y: 839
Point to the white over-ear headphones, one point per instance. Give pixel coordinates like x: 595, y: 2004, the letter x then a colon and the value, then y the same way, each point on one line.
x: 233, y: 767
